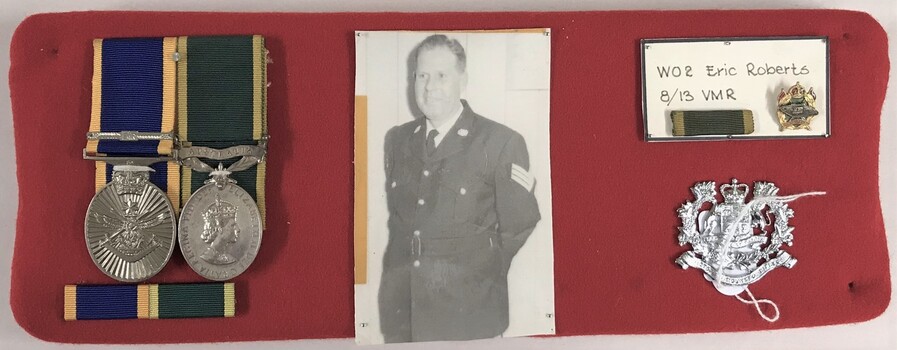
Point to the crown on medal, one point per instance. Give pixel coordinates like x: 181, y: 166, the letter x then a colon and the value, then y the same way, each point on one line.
x: 129, y: 182
x: 734, y: 192
x: 221, y: 209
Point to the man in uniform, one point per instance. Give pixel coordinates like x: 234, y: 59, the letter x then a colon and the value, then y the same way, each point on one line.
x: 461, y: 205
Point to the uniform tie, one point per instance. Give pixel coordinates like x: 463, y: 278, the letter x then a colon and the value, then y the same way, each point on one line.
x: 431, y: 142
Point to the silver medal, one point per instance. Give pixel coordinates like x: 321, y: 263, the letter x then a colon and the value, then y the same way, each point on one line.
x: 129, y: 226
x: 220, y: 229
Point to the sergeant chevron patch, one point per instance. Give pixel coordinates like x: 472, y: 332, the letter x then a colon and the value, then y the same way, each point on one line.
x: 522, y: 177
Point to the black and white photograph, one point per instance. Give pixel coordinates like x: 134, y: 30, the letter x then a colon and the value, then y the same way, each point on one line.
x: 453, y: 186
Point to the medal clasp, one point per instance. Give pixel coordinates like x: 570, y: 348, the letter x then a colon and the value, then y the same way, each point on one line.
x: 189, y: 156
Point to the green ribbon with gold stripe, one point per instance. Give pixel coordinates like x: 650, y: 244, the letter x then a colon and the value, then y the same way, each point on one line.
x: 222, y: 103
x: 718, y: 122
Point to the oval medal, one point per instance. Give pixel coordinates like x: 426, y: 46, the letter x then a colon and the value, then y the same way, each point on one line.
x: 220, y: 230
x: 129, y: 227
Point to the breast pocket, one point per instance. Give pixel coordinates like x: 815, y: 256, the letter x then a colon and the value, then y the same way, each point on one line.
x: 468, y: 193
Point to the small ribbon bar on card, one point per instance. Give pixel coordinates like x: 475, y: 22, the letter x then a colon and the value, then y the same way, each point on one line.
x: 721, y: 122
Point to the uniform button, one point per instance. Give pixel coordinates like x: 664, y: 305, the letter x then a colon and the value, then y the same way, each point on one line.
x: 420, y: 202
x: 426, y: 173
x: 463, y: 191
x: 417, y: 232
x: 416, y: 263
x: 393, y: 184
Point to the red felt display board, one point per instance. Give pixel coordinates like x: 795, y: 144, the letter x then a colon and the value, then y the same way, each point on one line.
x: 615, y: 196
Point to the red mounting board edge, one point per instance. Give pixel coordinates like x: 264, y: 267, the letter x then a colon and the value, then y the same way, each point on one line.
x: 615, y: 196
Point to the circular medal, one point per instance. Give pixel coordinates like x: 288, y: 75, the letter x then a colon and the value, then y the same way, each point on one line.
x: 129, y: 227
x: 220, y: 230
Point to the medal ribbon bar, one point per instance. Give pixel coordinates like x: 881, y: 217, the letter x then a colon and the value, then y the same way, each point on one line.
x: 720, y: 122
x: 148, y: 301
x: 221, y: 104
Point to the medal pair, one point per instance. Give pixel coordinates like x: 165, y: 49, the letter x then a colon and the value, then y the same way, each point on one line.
x: 212, y: 154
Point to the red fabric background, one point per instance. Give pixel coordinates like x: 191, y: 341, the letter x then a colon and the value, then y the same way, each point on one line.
x: 615, y: 196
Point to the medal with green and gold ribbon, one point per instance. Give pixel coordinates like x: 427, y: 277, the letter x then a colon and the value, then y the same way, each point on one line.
x: 222, y: 129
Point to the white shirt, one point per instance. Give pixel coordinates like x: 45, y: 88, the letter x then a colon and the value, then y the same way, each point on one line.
x: 445, y: 127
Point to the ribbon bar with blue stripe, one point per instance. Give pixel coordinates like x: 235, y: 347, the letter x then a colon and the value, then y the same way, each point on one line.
x: 149, y: 301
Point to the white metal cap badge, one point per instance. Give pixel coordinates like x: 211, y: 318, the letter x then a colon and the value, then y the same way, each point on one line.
x: 736, y: 243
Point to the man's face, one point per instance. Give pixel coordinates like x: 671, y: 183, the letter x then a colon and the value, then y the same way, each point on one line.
x: 438, y: 83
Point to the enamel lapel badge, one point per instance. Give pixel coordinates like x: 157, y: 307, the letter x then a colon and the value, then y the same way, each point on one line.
x: 796, y: 108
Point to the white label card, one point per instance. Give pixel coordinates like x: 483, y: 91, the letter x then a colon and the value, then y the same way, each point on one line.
x: 733, y: 74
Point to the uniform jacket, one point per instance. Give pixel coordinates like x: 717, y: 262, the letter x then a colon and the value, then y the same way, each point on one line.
x: 456, y: 220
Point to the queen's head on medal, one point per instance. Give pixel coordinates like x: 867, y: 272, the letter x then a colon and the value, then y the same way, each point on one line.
x: 220, y: 231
